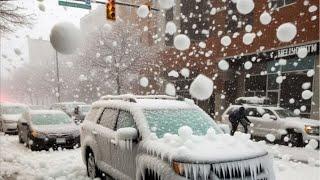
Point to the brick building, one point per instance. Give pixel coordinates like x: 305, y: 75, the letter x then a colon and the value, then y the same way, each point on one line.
x: 219, y: 19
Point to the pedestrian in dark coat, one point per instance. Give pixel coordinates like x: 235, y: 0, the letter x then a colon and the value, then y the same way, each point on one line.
x: 237, y: 116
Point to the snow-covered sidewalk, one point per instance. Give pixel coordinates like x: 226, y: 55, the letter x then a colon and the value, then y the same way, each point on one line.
x: 18, y: 162
x: 304, y: 155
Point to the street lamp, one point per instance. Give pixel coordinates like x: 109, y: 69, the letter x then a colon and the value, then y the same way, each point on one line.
x: 65, y: 38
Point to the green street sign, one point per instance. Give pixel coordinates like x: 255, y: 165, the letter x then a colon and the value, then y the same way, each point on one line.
x: 74, y: 4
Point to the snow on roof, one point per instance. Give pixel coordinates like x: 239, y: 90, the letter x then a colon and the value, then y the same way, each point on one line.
x: 46, y: 112
x: 147, y: 103
x: 255, y: 106
x: 72, y: 102
x: 252, y: 100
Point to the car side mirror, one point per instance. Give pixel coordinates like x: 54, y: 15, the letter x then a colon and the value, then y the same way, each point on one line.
x: 127, y: 134
x: 273, y: 117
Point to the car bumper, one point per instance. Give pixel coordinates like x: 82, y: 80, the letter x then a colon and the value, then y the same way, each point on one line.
x: 308, y: 137
x: 50, y: 142
x: 10, y: 127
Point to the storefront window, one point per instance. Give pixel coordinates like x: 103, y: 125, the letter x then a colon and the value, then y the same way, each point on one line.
x: 272, y: 84
x: 299, y: 64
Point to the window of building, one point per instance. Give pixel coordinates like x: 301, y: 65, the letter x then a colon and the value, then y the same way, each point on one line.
x: 235, y: 20
x: 168, y: 37
x: 197, y: 13
x: 125, y: 119
x: 256, y: 85
x: 281, y: 3
x: 108, y: 118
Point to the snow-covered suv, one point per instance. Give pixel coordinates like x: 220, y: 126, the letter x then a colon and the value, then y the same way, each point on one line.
x: 278, y: 123
x: 165, y: 138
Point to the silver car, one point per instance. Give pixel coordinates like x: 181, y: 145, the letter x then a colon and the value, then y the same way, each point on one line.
x: 282, y: 124
x: 164, y: 138
x: 9, y: 116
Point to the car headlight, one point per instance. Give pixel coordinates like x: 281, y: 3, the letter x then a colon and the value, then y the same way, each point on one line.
x: 312, y: 130
x: 38, y: 134
x: 178, y: 168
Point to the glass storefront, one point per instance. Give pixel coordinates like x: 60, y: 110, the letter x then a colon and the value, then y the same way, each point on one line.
x: 293, y: 74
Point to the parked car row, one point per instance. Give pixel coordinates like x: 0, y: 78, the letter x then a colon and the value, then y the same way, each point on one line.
x: 40, y: 128
x: 43, y: 129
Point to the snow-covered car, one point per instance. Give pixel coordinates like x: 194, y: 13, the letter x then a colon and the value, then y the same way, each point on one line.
x: 80, y: 112
x: 44, y: 129
x: 9, y: 116
x: 162, y: 137
x: 278, y: 123
x: 67, y: 107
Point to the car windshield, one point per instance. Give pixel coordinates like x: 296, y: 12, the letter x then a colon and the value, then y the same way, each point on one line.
x: 162, y: 121
x: 12, y: 109
x: 284, y: 113
x: 50, y: 119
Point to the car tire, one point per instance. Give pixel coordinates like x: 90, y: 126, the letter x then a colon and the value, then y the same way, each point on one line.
x: 295, y: 139
x: 20, y: 139
x: 1, y: 129
x: 92, y: 170
x: 32, y: 147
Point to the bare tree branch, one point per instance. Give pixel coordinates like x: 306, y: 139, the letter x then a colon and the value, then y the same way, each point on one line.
x: 12, y: 16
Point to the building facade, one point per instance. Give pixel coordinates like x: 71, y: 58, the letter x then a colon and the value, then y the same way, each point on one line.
x: 270, y: 58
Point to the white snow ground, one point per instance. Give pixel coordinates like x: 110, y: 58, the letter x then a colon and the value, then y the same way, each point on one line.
x: 18, y: 162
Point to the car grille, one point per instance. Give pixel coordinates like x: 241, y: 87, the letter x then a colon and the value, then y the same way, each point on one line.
x: 259, y: 168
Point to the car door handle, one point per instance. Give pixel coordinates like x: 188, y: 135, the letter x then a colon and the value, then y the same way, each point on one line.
x: 94, y: 132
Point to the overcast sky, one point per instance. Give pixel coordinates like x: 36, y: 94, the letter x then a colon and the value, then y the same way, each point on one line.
x: 44, y: 21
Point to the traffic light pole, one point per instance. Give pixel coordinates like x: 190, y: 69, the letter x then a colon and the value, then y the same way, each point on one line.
x: 121, y: 4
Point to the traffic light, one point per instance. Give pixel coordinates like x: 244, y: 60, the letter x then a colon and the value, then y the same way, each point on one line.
x: 111, y: 10
x: 149, y: 4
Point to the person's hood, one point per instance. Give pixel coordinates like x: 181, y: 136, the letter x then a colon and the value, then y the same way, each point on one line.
x: 209, y: 149
x: 11, y: 117
x: 300, y: 122
x: 63, y: 129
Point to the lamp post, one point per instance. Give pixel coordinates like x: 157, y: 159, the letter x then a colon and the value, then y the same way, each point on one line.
x: 58, y: 76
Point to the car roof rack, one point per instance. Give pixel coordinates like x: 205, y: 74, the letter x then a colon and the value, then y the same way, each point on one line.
x: 132, y: 98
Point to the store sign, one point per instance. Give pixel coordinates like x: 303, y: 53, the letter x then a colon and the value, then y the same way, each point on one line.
x: 86, y: 4
x: 312, y: 48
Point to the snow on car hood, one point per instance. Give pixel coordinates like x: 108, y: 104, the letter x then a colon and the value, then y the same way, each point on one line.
x: 211, y: 148
x: 58, y: 129
x: 11, y: 117
x: 300, y: 122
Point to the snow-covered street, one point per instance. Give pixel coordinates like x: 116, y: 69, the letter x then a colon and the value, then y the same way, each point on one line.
x: 18, y: 162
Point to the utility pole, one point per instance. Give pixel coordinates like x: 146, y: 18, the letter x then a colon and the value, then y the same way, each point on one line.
x: 58, y: 76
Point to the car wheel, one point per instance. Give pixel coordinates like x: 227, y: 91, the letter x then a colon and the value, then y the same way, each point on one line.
x: 92, y: 169
x: 1, y: 128
x: 20, y: 139
x: 295, y: 139
x: 30, y: 145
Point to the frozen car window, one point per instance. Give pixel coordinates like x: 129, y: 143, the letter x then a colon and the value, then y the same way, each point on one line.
x: 12, y: 110
x: 125, y: 119
x: 283, y: 113
x: 252, y: 112
x: 108, y: 118
x: 162, y: 121
x: 50, y: 119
